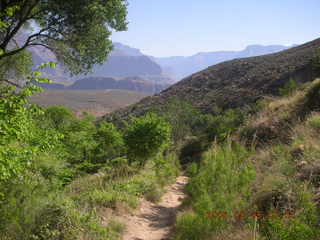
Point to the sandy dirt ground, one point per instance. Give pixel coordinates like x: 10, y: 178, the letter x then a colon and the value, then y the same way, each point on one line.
x: 154, y: 221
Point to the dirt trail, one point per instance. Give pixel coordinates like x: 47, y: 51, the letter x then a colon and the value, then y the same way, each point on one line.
x: 154, y: 221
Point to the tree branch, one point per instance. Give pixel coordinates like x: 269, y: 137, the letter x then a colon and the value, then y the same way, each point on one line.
x: 22, y: 20
x: 28, y: 43
x: 12, y: 83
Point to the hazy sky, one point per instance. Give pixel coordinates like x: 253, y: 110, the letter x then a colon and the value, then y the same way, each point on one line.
x: 185, y: 27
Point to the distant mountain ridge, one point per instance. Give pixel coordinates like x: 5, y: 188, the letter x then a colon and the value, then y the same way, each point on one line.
x: 180, y: 67
x: 125, y: 61
x: 234, y: 83
x: 124, y: 50
x: 122, y: 62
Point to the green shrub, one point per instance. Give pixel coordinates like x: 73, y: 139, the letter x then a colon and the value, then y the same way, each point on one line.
x: 226, y: 123
x: 301, y: 224
x: 222, y: 183
x: 145, y: 137
x: 110, y: 143
x: 289, y: 88
x: 181, y: 115
x: 192, y: 227
x: 89, y: 167
x: 58, y: 117
x: 314, y: 122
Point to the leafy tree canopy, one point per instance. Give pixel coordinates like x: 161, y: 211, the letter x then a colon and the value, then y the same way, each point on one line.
x: 77, y: 31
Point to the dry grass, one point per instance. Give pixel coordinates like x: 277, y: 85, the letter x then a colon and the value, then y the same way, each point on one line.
x: 275, y: 123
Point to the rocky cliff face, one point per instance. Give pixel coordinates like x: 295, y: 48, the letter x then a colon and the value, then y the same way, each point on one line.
x: 235, y: 83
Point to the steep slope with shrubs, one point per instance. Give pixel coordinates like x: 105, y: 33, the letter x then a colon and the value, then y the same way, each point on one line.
x: 262, y: 182
x: 235, y: 83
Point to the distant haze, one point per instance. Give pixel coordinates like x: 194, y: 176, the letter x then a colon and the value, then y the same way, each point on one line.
x: 182, y: 28
x: 180, y: 67
x: 126, y: 62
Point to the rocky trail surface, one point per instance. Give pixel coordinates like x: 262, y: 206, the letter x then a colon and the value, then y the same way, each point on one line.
x: 154, y: 221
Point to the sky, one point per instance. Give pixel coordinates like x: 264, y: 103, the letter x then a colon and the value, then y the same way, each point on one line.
x: 185, y: 27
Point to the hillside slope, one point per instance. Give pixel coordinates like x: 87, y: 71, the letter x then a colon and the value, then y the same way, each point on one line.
x: 234, y: 83
x: 267, y: 189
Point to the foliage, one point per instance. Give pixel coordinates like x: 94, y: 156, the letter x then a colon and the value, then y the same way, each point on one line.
x: 76, y: 31
x: 20, y: 142
x: 182, y: 117
x: 316, y: 61
x: 45, y: 152
x: 289, y: 88
x: 110, y: 142
x: 123, y: 190
x: 221, y: 183
x: 314, y: 122
x: 187, y: 121
x: 145, y: 137
x: 58, y: 117
x: 302, y: 225
x: 272, y: 192
x: 15, y: 67
x: 223, y: 124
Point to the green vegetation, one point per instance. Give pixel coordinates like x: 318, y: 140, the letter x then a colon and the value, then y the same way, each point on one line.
x: 253, y: 175
x: 145, y: 137
x: 289, y: 88
x: 76, y: 31
x: 260, y: 191
x: 48, y: 157
x: 221, y: 183
x: 188, y: 122
x: 58, y: 172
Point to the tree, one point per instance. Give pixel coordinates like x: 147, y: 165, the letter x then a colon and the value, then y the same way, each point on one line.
x: 20, y: 140
x: 182, y: 117
x: 110, y: 142
x: 145, y: 137
x: 77, y: 31
x: 58, y: 117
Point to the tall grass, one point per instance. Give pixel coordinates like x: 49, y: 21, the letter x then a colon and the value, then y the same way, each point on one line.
x: 219, y: 188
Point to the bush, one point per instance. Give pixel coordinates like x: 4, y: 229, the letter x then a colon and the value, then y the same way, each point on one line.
x: 145, y: 137
x: 289, y: 88
x: 222, y: 183
x: 109, y: 143
x: 58, y: 117
x: 314, y: 122
x: 182, y: 117
x: 303, y: 224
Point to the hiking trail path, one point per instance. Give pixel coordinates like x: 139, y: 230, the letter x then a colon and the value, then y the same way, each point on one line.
x: 154, y: 221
